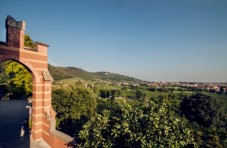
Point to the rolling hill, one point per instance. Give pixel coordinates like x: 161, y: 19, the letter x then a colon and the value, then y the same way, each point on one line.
x: 59, y: 73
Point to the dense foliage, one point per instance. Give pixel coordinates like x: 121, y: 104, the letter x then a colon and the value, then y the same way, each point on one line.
x: 28, y: 41
x: 208, y: 117
x: 222, y: 90
x: 17, y: 78
x: 142, y: 125
x: 118, y: 124
x: 109, y: 93
x: 3, y: 76
x: 74, y: 106
x: 204, y: 110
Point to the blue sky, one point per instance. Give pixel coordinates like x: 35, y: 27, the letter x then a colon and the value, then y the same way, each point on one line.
x: 155, y: 40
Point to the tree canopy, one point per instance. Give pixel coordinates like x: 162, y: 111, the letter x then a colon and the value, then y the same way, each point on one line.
x: 28, y: 41
x: 143, y: 125
x: 17, y: 78
x: 204, y: 110
x: 73, y: 104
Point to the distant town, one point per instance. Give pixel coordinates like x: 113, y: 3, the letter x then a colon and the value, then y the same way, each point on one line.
x: 213, y: 87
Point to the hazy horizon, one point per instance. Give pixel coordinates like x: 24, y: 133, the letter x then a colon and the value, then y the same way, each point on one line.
x: 136, y: 77
x: 156, y: 40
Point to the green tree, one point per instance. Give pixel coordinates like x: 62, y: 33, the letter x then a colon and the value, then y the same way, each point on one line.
x: 20, y: 82
x: 140, y: 94
x: 28, y: 41
x: 104, y: 93
x: 115, y: 93
x: 3, y: 76
x: 143, y: 125
x: 74, y: 106
x: 152, y: 89
x: 109, y: 93
x: 204, y: 110
x: 222, y: 90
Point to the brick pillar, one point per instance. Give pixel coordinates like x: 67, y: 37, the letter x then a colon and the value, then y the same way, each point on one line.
x: 15, y: 32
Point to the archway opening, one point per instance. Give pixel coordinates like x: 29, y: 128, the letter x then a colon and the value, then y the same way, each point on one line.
x: 15, y: 104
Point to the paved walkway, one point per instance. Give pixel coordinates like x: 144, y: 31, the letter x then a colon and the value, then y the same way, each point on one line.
x: 13, y: 124
x: 39, y: 144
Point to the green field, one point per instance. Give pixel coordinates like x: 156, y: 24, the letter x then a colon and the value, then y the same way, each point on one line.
x: 128, y: 92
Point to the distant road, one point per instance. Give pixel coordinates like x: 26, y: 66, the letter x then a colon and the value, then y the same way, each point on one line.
x: 13, y: 114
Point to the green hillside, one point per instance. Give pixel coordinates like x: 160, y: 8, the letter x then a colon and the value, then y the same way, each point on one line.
x: 59, y: 73
x: 116, y: 77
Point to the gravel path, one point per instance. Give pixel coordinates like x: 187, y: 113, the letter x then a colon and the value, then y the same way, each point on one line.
x: 13, y: 116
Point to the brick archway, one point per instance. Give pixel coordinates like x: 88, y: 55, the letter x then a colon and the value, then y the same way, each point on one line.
x: 35, y: 75
x: 36, y: 60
